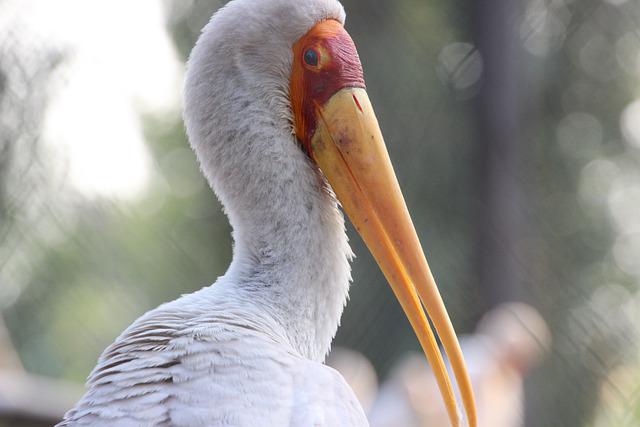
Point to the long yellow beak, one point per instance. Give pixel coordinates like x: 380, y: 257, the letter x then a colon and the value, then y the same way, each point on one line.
x: 349, y: 148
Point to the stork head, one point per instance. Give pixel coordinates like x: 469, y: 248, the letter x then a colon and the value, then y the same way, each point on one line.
x: 291, y: 71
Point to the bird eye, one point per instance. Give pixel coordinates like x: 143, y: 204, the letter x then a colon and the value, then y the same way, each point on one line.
x: 311, y: 57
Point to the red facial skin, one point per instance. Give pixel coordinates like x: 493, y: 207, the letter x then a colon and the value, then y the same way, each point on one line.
x: 312, y: 86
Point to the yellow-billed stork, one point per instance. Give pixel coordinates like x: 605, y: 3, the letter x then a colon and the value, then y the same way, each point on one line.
x: 277, y: 113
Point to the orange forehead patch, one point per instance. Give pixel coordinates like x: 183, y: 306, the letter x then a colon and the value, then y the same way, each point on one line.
x: 325, y: 61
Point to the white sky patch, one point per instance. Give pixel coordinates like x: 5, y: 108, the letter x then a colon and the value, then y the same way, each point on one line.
x: 630, y: 123
x: 121, y: 62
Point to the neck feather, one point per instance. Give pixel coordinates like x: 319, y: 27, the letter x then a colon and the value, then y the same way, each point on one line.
x: 291, y: 254
x: 291, y: 259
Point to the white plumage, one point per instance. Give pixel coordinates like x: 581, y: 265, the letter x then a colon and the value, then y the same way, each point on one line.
x: 246, y: 351
x: 209, y: 359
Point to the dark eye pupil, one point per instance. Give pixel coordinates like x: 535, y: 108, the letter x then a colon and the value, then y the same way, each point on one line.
x: 311, y: 57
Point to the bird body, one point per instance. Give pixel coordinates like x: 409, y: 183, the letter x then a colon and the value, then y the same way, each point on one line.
x: 211, y: 359
x: 248, y: 350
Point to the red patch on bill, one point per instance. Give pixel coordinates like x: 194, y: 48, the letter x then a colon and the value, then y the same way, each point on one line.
x: 325, y: 61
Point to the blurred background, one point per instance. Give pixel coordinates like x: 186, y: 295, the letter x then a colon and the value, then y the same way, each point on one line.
x: 515, y: 130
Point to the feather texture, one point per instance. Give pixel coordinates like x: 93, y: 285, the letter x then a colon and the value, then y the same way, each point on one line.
x: 248, y: 350
x: 226, y: 365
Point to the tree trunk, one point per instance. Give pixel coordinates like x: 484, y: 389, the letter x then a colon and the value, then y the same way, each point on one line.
x: 498, y: 143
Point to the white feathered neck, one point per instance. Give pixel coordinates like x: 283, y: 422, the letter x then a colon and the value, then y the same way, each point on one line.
x: 291, y: 253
